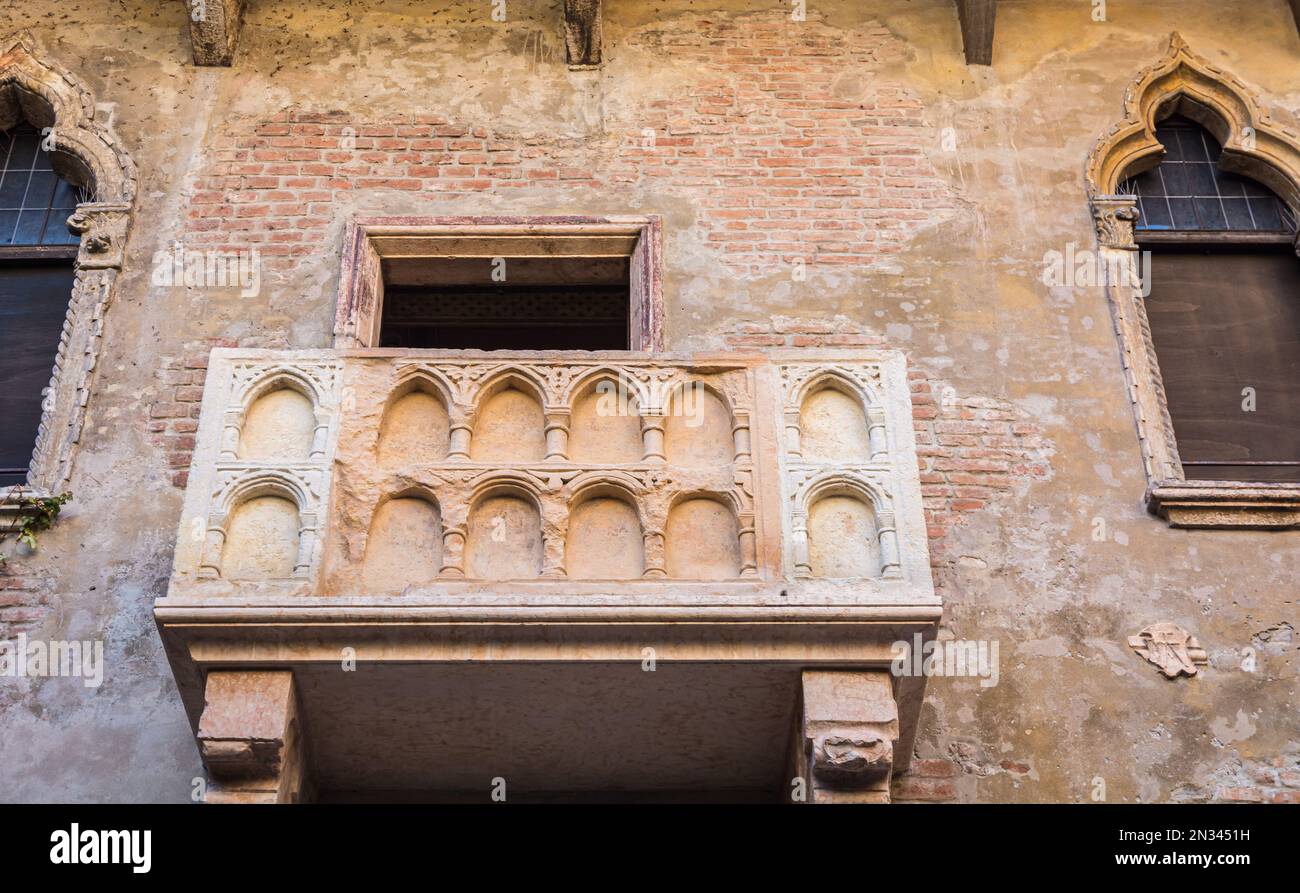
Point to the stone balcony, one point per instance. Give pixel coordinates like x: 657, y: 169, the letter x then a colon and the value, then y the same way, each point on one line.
x: 504, y: 545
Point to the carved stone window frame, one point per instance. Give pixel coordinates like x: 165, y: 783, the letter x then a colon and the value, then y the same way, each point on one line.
x: 1253, y: 145
x: 86, y: 152
x: 371, y: 240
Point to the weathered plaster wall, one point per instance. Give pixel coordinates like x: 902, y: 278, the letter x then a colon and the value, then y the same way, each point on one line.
x: 919, y: 196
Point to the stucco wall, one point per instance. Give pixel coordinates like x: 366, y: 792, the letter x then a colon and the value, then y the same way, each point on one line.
x: 921, y: 197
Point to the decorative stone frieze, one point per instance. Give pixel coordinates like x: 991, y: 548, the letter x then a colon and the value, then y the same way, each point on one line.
x: 521, y: 466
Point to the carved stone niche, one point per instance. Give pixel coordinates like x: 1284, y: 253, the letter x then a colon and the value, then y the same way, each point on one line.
x: 1183, y: 83
x: 85, y: 152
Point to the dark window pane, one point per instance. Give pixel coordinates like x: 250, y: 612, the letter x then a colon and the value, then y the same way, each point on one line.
x: 1222, y: 321
x: 30, y: 224
x: 1267, y: 213
x: 1209, y: 214
x: 1168, y: 138
x: 1174, y: 177
x: 66, y: 196
x: 1201, y: 196
x: 1155, y: 214
x: 8, y: 220
x: 1238, y: 214
x: 1184, y: 213
x: 1193, y: 145
x: 26, y: 143
x: 12, y: 189
x: 33, y: 303
x: 1200, y: 180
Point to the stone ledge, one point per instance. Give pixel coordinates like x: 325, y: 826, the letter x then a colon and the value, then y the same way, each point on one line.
x: 1226, y: 505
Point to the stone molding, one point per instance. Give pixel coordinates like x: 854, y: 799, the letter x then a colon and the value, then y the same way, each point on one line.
x: 86, y: 152
x: 1254, y: 146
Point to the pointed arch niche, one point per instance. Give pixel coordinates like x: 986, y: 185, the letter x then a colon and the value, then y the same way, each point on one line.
x: 36, y: 91
x: 1183, y: 84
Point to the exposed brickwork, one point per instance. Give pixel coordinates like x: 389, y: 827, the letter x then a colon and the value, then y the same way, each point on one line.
x: 784, y: 142
x: 1271, y: 781
x: 23, y: 604
x: 173, y: 418
x: 926, y: 781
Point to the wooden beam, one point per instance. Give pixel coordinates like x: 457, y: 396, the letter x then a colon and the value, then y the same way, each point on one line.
x: 582, y: 33
x: 976, y: 17
x: 214, y: 29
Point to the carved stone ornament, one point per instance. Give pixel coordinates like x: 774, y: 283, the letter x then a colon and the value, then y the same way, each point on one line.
x: 1171, y: 648
x: 1115, y: 217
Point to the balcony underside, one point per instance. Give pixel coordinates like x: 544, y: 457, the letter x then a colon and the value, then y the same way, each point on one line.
x: 563, y: 707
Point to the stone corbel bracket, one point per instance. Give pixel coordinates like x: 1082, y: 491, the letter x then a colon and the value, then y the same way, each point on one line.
x: 848, y: 736
x: 251, y: 740
x: 214, y: 30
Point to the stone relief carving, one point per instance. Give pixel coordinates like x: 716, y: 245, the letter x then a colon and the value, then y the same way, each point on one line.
x: 654, y: 509
x: 1171, y: 648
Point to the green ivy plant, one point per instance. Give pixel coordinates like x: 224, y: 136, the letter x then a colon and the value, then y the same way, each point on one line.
x: 33, y: 514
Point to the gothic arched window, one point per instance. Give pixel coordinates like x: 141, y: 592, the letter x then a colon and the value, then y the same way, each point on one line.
x: 37, y: 252
x: 1224, y: 309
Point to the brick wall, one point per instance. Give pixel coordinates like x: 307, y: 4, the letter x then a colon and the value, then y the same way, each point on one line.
x: 782, y: 142
x: 173, y: 419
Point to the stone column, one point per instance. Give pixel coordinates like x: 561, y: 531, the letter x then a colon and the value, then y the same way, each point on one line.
x: 557, y: 435
x: 654, y: 554
x: 748, y: 545
x: 848, y: 729
x: 459, y: 433
x: 320, y: 435
x: 890, y: 563
x: 652, y: 438
x: 453, y: 551
x: 251, y: 739
x: 793, y: 448
x: 740, y: 434
x: 799, y: 538
x: 230, y: 433
x: 876, y: 434
x: 213, y: 543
